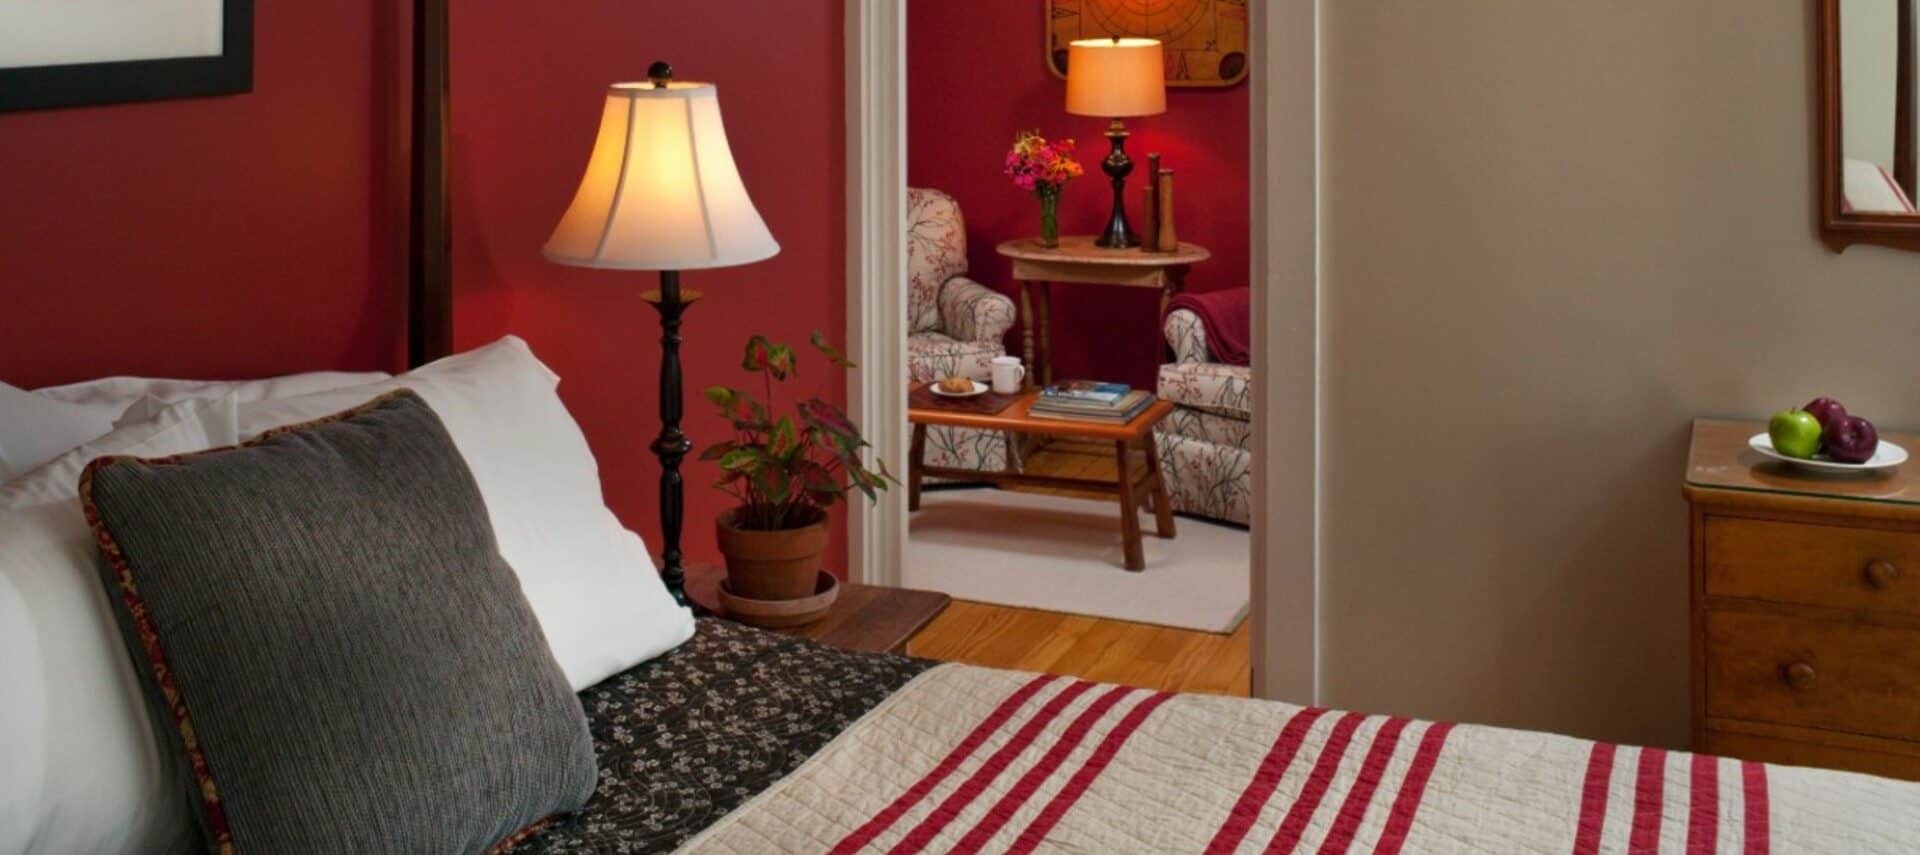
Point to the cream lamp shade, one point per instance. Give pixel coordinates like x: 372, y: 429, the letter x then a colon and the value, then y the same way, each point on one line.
x: 661, y: 191
x: 1115, y: 78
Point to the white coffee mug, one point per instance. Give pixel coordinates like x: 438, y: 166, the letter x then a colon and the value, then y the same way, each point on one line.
x: 1007, y: 374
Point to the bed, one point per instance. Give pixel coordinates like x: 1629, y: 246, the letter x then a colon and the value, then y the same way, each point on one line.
x: 746, y: 741
x: 743, y: 741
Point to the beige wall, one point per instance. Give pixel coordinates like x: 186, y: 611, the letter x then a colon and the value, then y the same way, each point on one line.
x: 1553, y: 233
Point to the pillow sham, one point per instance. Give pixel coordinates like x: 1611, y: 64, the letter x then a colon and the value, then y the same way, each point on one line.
x: 81, y: 767
x: 347, y: 656
x: 34, y: 430
x: 591, y: 582
x: 112, y: 396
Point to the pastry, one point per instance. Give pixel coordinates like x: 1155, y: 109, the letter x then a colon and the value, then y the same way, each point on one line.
x: 956, y: 385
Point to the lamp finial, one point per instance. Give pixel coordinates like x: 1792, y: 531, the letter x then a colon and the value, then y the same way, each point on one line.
x: 660, y: 73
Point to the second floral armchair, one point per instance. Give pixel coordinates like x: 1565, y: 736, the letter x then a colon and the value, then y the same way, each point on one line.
x: 956, y: 326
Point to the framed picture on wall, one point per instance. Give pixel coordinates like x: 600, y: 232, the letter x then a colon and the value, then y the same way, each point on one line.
x: 69, y: 53
x: 1205, y: 40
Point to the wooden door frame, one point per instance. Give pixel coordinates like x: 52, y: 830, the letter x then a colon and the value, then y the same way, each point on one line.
x: 1284, y: 138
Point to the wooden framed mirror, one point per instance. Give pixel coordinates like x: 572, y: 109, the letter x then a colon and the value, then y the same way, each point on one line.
x: 1868, y: 162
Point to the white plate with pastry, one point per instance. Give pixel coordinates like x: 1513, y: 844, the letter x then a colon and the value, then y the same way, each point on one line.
x: 975, y: 388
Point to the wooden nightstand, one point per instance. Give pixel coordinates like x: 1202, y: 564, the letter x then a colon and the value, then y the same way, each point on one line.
x: 1806, y: 609
x: 873, y: 619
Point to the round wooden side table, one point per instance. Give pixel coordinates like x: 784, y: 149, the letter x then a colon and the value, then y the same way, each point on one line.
x: 1078, y: 260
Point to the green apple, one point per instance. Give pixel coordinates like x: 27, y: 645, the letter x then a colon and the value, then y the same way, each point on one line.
x: 1795, y: 433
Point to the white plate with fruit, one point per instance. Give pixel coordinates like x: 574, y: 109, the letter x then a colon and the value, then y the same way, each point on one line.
x: 1823, y: 436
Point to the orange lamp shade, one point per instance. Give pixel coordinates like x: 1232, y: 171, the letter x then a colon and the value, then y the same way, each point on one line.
x: 1115, y: 78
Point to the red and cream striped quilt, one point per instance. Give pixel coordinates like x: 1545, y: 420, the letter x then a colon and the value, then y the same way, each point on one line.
x: 967, y: 759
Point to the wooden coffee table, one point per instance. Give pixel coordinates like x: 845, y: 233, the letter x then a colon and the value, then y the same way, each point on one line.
x: 1139, y: 480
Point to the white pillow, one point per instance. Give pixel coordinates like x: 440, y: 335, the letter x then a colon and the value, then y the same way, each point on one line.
x: 113, y: 395
x: 210, y: 422
x: 84, y: 769
x: 23, y: 722
x: 590, y: 581
x: 36, y: 429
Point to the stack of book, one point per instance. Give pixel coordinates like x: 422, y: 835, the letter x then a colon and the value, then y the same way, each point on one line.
x: 1091, y: 401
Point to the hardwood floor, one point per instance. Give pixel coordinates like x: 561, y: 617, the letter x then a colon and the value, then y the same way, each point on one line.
x: 1108, y: 651
x: 1068, y: 458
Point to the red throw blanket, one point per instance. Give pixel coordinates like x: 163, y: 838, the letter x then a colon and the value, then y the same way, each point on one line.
x: 1227, y: 316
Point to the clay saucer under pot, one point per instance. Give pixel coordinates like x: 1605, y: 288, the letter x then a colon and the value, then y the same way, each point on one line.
x: 774, y: 614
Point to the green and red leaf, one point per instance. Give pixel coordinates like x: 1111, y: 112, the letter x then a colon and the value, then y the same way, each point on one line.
x: 756, y: 356
x: 743, y: 459
x: 780, y: 361
x: 832, y: 353
x: 828, y: 418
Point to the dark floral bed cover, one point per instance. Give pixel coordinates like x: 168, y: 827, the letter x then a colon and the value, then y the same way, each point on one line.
x: 689, y: 736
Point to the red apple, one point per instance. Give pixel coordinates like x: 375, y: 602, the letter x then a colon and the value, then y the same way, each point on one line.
x: 1827, y: 410
x: 1851, y: 439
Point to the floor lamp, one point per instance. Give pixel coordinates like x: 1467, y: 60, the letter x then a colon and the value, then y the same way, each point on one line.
x: 661, y: 193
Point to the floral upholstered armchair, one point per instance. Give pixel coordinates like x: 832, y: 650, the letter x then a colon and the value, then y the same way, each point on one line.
x: 955, y: 325
x: 1206, y: 443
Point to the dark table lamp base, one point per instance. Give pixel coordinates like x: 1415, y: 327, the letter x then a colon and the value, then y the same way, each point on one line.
x: 1117, y: 165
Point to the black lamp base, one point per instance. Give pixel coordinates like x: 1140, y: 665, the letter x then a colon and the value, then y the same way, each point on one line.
x: 671, y: 446
x: 1119, y: 234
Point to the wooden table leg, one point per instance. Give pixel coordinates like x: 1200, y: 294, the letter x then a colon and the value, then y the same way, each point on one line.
x: 1176, y: 283
x: 916, y: 461
x: 1129, y: 509
x: 1046, y: 337
x: 1026, y: 329
x: 1157, y: 485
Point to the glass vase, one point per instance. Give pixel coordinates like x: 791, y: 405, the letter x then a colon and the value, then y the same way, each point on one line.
x: 1049, y: 218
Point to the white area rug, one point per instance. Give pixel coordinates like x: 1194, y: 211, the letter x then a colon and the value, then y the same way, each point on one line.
x: 1062, y: 554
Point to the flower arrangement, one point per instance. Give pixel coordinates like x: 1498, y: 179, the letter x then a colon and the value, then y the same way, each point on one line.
x: 1043, y: 168
x: 787, y: 471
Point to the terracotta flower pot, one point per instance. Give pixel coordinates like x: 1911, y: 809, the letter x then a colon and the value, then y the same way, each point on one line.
x: 780, y: 564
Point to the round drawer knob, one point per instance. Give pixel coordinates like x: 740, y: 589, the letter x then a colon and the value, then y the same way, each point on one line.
x: 1799, y: 676
x: 1882, y: 573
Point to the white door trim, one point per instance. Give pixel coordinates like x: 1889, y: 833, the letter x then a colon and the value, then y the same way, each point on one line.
x: 1284, y: 120
x: 876, y: 111
x: 1284, y: 128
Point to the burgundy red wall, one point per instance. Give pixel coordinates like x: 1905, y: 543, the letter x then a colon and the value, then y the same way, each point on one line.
x: 237, y: 236
x: 977, y: 75
x: 262, y: 234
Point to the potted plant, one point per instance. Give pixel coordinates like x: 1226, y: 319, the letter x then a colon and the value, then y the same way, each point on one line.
x: 785, y: 471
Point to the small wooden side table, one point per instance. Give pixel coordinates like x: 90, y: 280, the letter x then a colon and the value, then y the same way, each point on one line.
x: 1077, y: 260
x: 865, y: 617
x: 1805, y: 608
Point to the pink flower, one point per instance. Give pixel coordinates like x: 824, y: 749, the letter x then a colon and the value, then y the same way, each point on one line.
x: 1036, y: 165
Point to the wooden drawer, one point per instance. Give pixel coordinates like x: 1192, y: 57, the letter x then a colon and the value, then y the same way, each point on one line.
x: 1818, y: 565
x: 1847, y: 677
x: 1811, y: 752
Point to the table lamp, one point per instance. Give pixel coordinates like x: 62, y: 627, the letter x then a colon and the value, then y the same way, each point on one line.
x: 661, y: 193
x: 1116, y: 78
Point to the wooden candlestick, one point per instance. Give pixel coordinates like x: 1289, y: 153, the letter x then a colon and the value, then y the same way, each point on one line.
x: 1162, y: 227
x: 1150, y: 240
